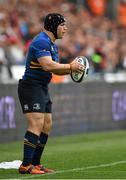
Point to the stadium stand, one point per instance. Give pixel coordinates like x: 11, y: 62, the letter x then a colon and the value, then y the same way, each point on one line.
x: 95, y: 35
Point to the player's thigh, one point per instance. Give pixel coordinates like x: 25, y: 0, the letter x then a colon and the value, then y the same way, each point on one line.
x: 47, y: 123
x: 35, y: 122
x: 35, y: 119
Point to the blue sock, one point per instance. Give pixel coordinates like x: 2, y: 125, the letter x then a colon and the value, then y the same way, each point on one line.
x: 30, y: 142
x: 39, y: 149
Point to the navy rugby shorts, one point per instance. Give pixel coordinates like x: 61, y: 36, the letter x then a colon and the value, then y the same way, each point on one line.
x: 34, y: 97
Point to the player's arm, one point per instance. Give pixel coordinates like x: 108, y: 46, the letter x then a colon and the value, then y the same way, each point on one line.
x: 59, y: 69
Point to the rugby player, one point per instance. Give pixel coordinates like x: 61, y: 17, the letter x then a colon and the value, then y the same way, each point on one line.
x: 42, y: 60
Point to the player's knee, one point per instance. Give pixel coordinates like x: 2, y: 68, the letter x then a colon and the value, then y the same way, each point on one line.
x: 47, y: 125
x: 35, y: 121
x: 37, y: 126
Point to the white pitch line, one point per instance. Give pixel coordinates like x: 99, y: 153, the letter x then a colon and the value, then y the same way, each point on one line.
x: 77, y: 169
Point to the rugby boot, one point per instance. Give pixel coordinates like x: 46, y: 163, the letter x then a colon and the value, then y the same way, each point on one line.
x: 30, y: 169
x: 42, y: 168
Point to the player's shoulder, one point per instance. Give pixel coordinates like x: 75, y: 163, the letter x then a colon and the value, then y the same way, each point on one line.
x: 40, y: 40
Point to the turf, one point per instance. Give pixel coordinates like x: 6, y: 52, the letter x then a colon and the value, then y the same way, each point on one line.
x: 86, y: 156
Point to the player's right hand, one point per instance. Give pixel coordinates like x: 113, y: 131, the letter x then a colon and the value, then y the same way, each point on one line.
x: 75, y: 66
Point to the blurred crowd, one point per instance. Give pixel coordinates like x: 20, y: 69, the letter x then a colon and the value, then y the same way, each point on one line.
x: 101, y: 39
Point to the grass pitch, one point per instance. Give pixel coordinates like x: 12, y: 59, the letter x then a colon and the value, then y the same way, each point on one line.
x: 85, y: 156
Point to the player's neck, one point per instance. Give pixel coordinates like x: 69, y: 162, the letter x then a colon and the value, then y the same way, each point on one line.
x: 50, y: 34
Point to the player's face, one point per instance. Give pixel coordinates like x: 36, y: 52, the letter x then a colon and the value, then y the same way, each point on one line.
x: 61, y: 30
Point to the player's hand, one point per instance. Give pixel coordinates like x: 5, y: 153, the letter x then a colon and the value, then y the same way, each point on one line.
x: 75, y: 66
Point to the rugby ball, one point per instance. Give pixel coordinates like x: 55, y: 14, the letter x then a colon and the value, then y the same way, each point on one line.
x: 79, y: 76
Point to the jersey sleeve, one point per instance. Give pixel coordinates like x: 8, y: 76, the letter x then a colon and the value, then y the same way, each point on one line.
x: 41, y: 49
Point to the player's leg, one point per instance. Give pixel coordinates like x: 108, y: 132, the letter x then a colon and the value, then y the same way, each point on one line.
x: 46, y: 129
x: 35, y: 126
x: 42, y: 142
x: 32, y: 106
x: 42, y: 139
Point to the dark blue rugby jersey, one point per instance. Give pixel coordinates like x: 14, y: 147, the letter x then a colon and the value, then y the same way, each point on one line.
x: 40, y: 46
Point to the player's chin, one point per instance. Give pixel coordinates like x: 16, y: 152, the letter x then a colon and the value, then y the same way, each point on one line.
x: 61, y: 36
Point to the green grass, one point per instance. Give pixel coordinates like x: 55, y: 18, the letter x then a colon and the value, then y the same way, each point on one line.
x: 65, y: 154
